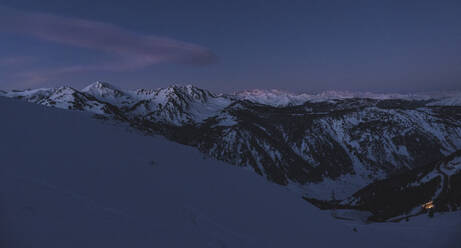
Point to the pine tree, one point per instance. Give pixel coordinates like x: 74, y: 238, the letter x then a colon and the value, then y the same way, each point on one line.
x: 333, y: 200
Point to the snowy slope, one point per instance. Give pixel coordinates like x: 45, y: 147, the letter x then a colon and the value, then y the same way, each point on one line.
x: 67, y: 180
x: 449, y: 101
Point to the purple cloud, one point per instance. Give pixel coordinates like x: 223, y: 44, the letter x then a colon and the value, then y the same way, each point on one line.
x: 133, y: 51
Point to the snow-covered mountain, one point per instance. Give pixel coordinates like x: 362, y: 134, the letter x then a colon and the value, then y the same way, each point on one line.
x: 315, y: 144
x: 67, y: 180
x: 175, y: 105
x: 280, y: 98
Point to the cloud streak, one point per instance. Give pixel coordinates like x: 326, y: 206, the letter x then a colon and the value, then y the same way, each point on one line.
x: 132, y: 51
x: 15, y: 60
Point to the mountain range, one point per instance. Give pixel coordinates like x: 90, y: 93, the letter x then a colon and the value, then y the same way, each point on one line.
x: 335, y: 149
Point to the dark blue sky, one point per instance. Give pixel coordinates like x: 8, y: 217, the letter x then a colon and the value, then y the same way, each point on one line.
x: 396, y: 46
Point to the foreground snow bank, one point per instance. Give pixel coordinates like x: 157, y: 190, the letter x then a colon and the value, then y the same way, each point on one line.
x: 67, y: 180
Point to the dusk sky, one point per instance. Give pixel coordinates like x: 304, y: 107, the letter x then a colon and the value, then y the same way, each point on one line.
x: 297, y: 45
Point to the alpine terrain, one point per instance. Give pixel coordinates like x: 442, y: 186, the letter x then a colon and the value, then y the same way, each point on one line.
x: 334, y: 149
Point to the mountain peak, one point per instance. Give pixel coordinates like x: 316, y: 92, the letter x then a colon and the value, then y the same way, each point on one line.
x: 99, y: 85
x: 188, y: 91
x: 187, y: 87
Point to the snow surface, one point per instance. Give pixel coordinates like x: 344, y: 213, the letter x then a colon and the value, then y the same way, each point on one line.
x: 67, y: 180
